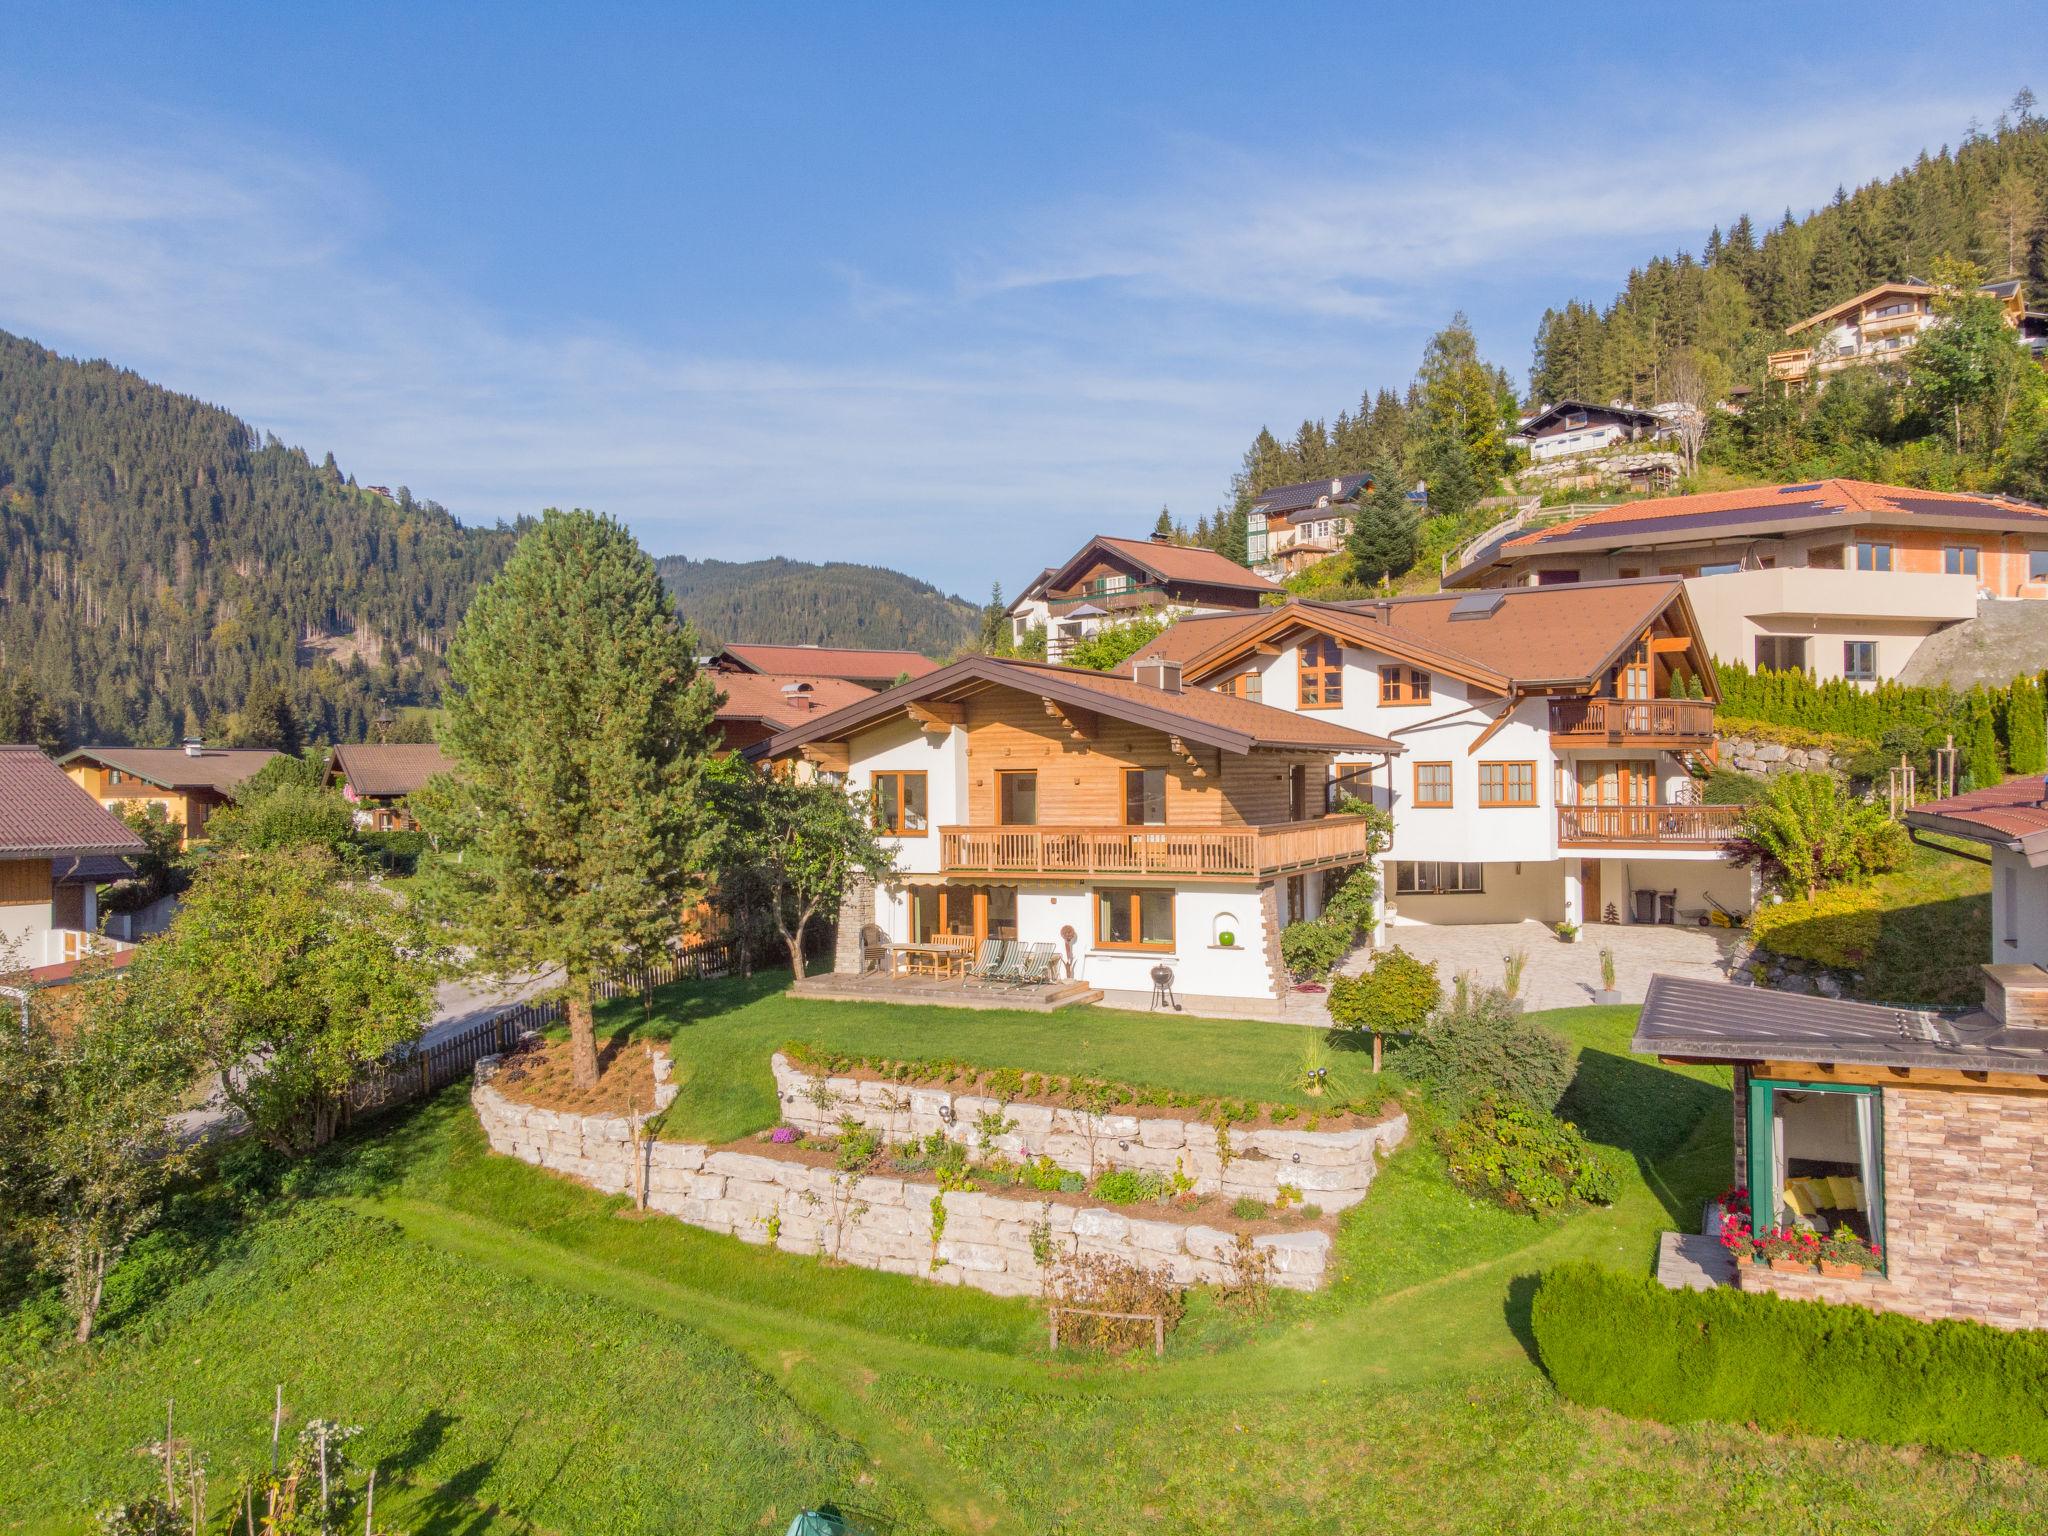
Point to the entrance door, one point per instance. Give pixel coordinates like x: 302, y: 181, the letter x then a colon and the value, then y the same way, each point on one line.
x: 1590, y: 909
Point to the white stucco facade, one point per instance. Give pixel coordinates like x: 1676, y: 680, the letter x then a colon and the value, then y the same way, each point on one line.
x: 2019, y: 910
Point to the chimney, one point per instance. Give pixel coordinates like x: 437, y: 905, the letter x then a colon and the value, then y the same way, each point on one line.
x: 1158, y: 672
x: 1336, y: 488
x: 192, y: 746
x: 2017, y: 995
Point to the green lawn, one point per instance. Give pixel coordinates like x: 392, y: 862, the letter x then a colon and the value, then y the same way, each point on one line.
x: 533, y: 1357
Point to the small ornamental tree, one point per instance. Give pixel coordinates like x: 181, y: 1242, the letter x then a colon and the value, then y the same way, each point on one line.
x: 581, y: 728
x: 86, y: 1138
x: 1397, y: 994
x: 1977, y: 742
x: 283, y: 978
x: 801, y: 841
x: 1804, y: 833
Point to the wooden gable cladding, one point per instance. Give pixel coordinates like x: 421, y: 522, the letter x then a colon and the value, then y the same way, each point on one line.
x: 1081, y: 782
x: 24, y: 882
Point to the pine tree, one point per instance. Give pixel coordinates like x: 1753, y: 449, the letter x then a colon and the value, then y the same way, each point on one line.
x: 582, y: 728
x: 1977, y: 742
x: 1383, y: 541
x: 1163, y: 528
x: 2026, y: 733
x: 266, y: 719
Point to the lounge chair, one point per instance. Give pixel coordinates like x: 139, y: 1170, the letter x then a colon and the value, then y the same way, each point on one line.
x: 1010, y: 970
x: 986, y: 964
x: 1041, y: 963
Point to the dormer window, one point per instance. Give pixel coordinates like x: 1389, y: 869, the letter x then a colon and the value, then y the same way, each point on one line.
x: 1574, y: 419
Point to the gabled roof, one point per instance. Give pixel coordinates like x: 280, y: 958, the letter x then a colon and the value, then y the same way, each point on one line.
x: 823, y: 661
x: 1529, y: 638
x: 2012, y: 815
x: 1630, y: 413
x: 2003, y: 288
x: 44, y: 814
x: 784, y: 698
x: 1196, y: 715
x: 385, y: 770
x: 1772, y: 509
x: 220, y: 769
x: 1164, y: 563
x: 1284, y: 500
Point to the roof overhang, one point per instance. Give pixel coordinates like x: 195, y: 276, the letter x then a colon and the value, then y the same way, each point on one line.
x: 2031, y: 846
x: 1340, y: 624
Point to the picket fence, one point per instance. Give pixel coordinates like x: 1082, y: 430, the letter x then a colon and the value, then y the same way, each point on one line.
x: 419, y: 1071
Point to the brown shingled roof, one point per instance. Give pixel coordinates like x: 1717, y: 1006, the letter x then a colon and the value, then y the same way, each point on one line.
x: 1171, y: 562
x: 767, y: 696
x: 2013, y: 814
x: 827, y: 661
x: 43, y: 813
x: 386, y: 770
x: 221, y: 769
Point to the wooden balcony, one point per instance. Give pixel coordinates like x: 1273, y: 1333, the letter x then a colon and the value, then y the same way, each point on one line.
x: 1645, y: 826
x: 1790, y: 366
x: 1672, y: 723
x: 1154, y: 853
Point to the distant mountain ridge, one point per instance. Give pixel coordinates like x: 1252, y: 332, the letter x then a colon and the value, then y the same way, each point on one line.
x: 793, y: 602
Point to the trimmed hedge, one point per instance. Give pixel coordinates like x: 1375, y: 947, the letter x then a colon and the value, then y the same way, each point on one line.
x: 1622, y: 1341
x: 1838, y: 927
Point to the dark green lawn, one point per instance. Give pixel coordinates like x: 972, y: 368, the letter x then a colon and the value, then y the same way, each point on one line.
x: 531, y: 1356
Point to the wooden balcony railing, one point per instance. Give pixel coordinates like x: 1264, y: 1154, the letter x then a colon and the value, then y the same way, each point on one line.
x: 1616, y: 722
x: 1653, y: 826
x: 1210, y: 853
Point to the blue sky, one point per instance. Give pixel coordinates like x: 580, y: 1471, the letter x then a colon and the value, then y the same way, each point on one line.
x: 942, y: 287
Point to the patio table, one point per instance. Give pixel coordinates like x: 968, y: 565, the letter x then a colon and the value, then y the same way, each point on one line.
x: 937, y: 959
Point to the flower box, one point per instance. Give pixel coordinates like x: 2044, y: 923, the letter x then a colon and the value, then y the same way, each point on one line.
x: 1789, y: 1266
x: 1830, y: 1270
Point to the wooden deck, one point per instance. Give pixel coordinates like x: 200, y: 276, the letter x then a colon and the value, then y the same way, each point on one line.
x: 943, y: 992
x: 1206, y: 853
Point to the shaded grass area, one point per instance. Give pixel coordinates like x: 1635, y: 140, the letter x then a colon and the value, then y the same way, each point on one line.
x: 1404, y: 1397
x: 721, y: 1035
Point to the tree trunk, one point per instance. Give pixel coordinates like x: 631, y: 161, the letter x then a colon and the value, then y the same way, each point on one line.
x: 795, y: 941
x: 582, y: 1033
x: 89, y: 1302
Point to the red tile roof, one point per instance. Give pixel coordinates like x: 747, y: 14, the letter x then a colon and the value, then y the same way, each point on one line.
x: 826, y: 661
x: 784, y: 698
x: 1725, y: 512
x: 43, y: 813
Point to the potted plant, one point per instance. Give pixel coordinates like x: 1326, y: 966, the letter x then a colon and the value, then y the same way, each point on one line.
x: 1607, y: 993
x: 1738, y: 1240
x: 1845, y: 1254
x: 1568, y: 931
x: 1789, y: 1250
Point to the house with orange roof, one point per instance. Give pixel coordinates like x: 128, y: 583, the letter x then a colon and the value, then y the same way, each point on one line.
x: 1117, y: 825
x: 1547, y: 773
x: 1109, y: 581
x: 1838, y: 578
x: 871, y: 669
x: 755, y: 705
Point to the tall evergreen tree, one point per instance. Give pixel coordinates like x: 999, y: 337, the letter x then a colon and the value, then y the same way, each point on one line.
x: 1383, y: 535
x: 582, y: 729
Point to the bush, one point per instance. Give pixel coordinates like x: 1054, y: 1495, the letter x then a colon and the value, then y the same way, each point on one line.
x: 1108, y: 1284
x: 1838, y: 928
x: 1129, y: 1186
x: 1517, y: 1156
x: 1621, y: 1341
x: 1482, y: 1044
x: 1113, y: 645
x: 1726, y: 786
x: 1394, y: 996
x: 858, y: 1146
x: 1312, y: 949
x: 397, y: 852
x: 1805, y: 833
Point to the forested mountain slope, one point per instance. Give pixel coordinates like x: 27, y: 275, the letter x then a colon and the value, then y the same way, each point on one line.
x: 791, y: 602
x: 156, y: 557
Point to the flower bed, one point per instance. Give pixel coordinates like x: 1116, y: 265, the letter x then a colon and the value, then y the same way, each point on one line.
x: 1235, y: 1149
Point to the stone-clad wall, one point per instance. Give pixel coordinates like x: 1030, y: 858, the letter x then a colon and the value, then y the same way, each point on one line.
x: 877, y: 1222
x: 1332, y: 1169
x: 1965, y: 1187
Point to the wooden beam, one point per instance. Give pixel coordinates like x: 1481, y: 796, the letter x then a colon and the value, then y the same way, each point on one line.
x: 832, y: 756
x: 1181, y: 751
x: 1507, y: 713
x: 1078, y: 723
x: 1267, y: 648
x: 937, y: 719
x: 1947, y: 1078
x: 1665, y: 643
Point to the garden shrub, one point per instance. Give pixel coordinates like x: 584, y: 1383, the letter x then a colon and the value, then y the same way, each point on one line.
x: 1482, y: 1044
x: 1621, y: 1341
x: 1108, y: 1284
x: 1839, y: 928
x: 857, y: 1145
x: 1728, y: 786
x: 1806, y: 833
x: 1129, y: 1186
x: 1394, y: 995
x: 1508, y: 1151
x: 1311, y: 949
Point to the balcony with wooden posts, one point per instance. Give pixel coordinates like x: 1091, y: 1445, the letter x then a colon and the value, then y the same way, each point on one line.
x: 1674, y: 724
x: 1646, y: 826
x: 1155, y: 853
x: 1790, y: 366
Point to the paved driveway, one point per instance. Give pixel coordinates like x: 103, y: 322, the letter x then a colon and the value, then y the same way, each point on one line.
x: 1561, y: 975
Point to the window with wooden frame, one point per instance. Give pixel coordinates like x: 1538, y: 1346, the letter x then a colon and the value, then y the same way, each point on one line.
x: 1432, y: 878
x: 1017, y: 799
x: 1433, y: 786
x: 1502, y: 784
x: 1631, y: 679
x: 1322, y: 673
x: 1144, y: 797
x: 1133, y: 918
x: 1959, y: 560
x: 1403, y: 685
x: 1246, y: 685
x: 902, y: 805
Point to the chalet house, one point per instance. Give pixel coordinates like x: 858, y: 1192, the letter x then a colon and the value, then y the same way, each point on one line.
x: 1920, y: 1132
x: 1881, y: 325
x: 1573, y: 427
x: 1839, y: 578
x: 1546, y: 770
x: 376, y: 778
x: 872, y: 670
x: 2011, y: 821
x: 188, y: 782
x: 755, y: 705
x: 1108, y: 581
x: 56, y: 846
x: 1158, y: 825
x: 1293, y: 527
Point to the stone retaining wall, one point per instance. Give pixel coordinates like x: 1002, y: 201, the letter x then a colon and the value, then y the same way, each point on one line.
x: 1332, y: 1169
x: 875, y: 1221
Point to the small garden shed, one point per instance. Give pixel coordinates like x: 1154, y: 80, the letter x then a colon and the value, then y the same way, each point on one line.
x: 1924, y: 1134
